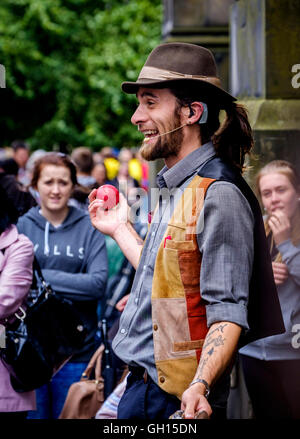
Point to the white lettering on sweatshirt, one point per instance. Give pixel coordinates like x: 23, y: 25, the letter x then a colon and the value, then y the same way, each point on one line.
x: 55, y: 251
x: 81, y: 252
x: 69, y: 251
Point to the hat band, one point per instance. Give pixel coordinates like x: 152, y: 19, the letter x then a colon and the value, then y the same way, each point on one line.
x: 153, y: 73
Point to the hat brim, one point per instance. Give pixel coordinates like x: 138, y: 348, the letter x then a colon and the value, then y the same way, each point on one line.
x: 209, y: 90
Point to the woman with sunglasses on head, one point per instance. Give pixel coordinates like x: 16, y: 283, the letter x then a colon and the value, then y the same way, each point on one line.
x: 271, y: 365
x: 16, y: 256
x: 73, y: 259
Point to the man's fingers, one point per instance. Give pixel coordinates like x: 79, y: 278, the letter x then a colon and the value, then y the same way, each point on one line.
x: 96, y: 203
x: 93, y: 195
x: 189, y: 411
x: 94, y: 206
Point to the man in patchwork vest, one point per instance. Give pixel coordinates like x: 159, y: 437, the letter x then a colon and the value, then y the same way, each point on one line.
x: 204, y: 282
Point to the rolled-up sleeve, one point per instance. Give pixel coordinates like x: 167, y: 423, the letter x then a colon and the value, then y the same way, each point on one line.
x: 226, y: 244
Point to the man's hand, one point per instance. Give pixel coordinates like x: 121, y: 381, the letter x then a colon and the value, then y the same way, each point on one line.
x: 115, y: 223
x: 280, y: 226
x: 193, y: 400
x: 107, y: 221
x: 218, y: 351
x: 280, y: 272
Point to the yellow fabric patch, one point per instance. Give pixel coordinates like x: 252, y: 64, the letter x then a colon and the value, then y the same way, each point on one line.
x: 166, y: 280
x: 183, y: 369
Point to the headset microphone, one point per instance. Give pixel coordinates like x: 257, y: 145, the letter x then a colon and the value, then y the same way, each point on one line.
x: 163, y: 134
x: 202, y: 120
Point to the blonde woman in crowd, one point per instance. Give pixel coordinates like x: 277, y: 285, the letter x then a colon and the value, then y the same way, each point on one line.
x: 271, y: 365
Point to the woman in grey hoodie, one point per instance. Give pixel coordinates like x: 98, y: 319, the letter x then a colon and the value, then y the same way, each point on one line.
x: 73, y: 259
x: 272, y: 365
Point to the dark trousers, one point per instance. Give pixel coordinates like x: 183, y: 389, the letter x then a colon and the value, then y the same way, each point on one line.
x: 273, y: 387
x: 143, y: 399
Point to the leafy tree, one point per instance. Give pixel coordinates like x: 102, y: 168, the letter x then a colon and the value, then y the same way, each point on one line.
x: 65, y: 61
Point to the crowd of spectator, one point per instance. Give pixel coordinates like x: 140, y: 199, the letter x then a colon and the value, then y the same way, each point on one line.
x: 125, y: 169
x: 48, y: 195
x: 44, y: 198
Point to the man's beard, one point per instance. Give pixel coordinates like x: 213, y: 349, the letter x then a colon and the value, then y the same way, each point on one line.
x: 166, y: 146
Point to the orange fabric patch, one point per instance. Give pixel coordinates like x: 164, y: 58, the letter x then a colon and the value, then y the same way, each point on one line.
x: 180, y: 330
x: 188, y: 345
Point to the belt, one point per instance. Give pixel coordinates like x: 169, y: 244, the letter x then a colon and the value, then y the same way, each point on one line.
x: 139, y: 372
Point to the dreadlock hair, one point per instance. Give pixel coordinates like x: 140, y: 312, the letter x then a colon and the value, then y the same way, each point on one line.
x: 232, y: 139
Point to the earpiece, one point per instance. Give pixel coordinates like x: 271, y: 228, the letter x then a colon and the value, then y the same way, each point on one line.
x: 204, y: 114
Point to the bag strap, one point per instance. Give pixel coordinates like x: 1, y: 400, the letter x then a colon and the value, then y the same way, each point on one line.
x: 94, y: 363
x: 37, y: 274
x: 36, y: 267
x: 21, y: 313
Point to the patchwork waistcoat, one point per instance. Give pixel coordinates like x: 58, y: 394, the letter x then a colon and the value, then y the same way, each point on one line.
x: 178, y: 311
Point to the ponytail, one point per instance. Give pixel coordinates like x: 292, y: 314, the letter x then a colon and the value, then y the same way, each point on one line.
x: 234, y: 138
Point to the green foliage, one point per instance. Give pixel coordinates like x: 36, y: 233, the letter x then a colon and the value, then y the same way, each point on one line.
x: 65, y: 61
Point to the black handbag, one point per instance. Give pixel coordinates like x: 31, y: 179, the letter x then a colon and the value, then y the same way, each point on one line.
x: 43, y: 337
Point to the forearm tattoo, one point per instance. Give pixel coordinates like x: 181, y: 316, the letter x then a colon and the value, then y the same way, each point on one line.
x: 213, y: 340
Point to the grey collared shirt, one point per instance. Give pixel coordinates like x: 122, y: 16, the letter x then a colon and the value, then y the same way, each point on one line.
x: 225, y: 239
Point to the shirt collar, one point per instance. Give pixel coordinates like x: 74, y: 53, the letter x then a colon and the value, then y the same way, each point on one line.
x: 186, y: 167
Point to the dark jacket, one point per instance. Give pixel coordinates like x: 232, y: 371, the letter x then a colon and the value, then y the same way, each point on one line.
x: 264, y: 312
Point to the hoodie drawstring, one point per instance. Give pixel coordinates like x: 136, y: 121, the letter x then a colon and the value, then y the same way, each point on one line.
x: 46, y: 239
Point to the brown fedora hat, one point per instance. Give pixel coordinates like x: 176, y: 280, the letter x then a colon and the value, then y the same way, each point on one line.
x: 171, y: 64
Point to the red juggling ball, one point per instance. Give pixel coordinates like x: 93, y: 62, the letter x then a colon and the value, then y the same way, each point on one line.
x: 109, y: 194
